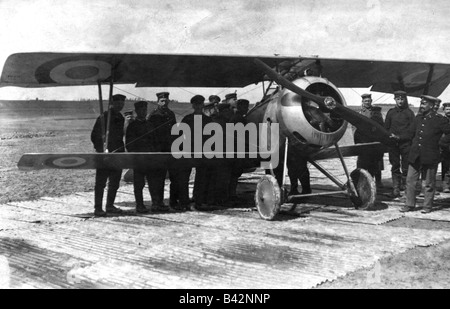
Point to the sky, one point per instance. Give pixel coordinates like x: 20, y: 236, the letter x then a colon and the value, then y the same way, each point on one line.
x: 397, y: 30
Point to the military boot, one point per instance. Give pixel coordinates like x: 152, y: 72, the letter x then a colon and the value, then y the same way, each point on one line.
x: 294, y: 190
x: 98, y: 200
x: 140, y: 207
x: 396, y: 179
x: 111, y: 197
x: 446, y: 184
x: 402, y: 183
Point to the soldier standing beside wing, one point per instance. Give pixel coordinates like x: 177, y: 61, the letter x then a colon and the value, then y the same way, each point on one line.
x: 162, y: 119
x: 242, y: 107
x: 210, y: 109
x: 368, y: 161
x: 197, y: 102
x: 115, y: 144
x: 398, y: 122
x: 220, y: 187
x: 424, y: 155
x: 138, y: 139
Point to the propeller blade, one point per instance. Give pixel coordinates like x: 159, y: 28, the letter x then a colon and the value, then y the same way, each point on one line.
x: 365, y: 125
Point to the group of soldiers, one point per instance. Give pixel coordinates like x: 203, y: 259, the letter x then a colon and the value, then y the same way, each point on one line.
x: 213, y: 185
x: 422, y: 141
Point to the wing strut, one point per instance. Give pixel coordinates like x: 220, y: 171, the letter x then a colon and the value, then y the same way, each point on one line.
x: 429, y: 77
x: 108, y: 124
x: 102, y: 116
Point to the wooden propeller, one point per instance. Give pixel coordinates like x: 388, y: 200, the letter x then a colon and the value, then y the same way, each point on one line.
x: 366, y: 125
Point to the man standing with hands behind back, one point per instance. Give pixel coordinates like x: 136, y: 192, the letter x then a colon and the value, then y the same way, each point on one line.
x: 115, y: 144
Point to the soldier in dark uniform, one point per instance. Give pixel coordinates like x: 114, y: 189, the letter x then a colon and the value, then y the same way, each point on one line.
x: 220, y: 194
x: 138, y: 139
x: 231, y: 99
x: 426, y: 131
x: 210, y: 108
x: 445, y: 155
x: 368, y: 161
x: 115, y: 144
x: 162, y: 119
x: 398, y: 122
x: 197, y: 102
x: 242, y: 107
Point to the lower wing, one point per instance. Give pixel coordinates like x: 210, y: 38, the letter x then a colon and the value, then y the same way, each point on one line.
x: 126, y: 160
x: 349, y: 151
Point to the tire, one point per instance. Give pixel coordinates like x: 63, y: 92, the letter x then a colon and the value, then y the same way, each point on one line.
x: 365, y: 188
x: 268, y: 197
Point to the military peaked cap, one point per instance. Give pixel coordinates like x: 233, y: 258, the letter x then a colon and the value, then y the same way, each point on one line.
x: 197, y: 99
x: 400, y: 93
x: 214, y: 98
x: 118, y: 97
x: 366, y: 95
x: 162, y: 95
x: 231, y: 96
x: 430, y: 99
x: 446, y: 105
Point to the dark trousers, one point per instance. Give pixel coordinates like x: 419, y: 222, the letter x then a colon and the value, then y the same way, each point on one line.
x: 222, y: 184
x: 201, y: 185
x: 414, y: 172
x: 156, y: 182
x: 180, y: 189
x: 211, y: 178
x: 398, y: 157
x: 298, y: 170
x: 139, y: 178
x: 369, y: 162
x: 236, y: 171
x: 101, y: 178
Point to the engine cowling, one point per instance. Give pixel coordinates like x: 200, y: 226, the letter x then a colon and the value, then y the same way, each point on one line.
x: 303, y: 122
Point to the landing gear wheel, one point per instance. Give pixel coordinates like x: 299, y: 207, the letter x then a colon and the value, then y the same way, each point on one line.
x: 268, y: 197
x: 365, y: 189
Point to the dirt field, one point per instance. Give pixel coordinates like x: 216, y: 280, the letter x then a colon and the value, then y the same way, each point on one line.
x: 60, y: 131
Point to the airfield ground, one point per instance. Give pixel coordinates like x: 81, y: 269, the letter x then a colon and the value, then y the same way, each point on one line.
x: 48, y: 239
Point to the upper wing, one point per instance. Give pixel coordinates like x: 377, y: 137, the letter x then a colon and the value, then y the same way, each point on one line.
x: 170, y: 70
x: 348, y: 151
x: 144, y: 70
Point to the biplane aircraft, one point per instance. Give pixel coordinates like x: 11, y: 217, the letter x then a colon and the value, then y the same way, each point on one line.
x: 300, y: 92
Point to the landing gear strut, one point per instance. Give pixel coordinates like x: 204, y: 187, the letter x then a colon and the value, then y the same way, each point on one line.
x: 360, y: 188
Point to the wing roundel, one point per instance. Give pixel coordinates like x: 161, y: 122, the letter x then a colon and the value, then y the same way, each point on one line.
x: 73, y: 71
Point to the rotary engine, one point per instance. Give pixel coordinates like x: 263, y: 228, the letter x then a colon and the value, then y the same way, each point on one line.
x: 301, y: 119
